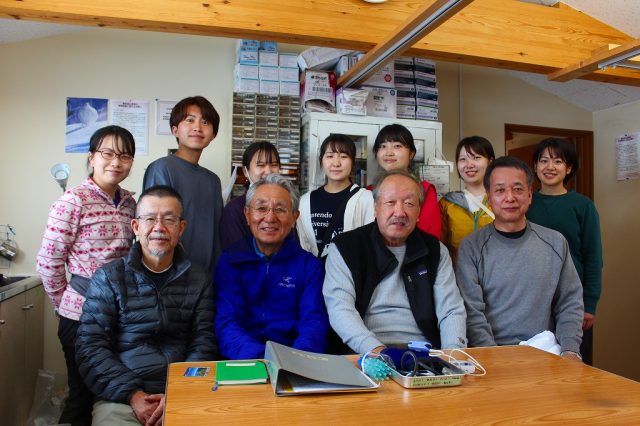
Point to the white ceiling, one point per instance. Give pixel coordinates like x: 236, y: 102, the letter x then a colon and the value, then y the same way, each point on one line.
x: 621, y: 14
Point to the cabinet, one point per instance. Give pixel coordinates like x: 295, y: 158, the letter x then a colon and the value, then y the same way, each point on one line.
x: 21, y: 349
x: 363, y: 130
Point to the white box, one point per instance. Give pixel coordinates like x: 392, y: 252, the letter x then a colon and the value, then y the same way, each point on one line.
x: 246, y: 71
x: 406, y: 109
x: 248, y: 85
x: 268, y: 72
x: 289, y: 60
x: 320, y: 58
x: 382, y: 78
x: 268, y: 58
x: 342, y: 66
x: 352, y: 101
x: 248, y: 57
x: 269, y: 46
x: 289, y: 74
x: 269, y: 87
x: 290, y: 88
x: 381, y: 102
x: 407, y: 116
x: 246, y: 44
x: 319, y: 88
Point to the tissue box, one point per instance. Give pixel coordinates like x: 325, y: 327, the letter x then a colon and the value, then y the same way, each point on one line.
x: 248, y: 85
x: 268, y: 72
x: 269, y: 87
x: 246, y: 44
x: 381, y: 102
x: 352, y: 101
x: 248, y: 57
x: 382, y: 78
x: 290, y: 88
x: 289, y: 60
x: 269, y: 46
x: 246, y: 71
x: 289, y: 74
x: 268, y: 58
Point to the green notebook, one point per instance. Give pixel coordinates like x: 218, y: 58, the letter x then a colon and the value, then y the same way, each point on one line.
x: 240, y: 372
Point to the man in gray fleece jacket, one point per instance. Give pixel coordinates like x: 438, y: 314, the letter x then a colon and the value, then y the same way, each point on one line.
x: 517, y: 278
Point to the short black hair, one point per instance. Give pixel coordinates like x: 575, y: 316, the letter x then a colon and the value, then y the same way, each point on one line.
x: 179, y: 112
x: 394, y: 133
x: 559, y: 148
x: 160, y: 191
x: 338, y: 143
x: 267, y: 148
x: 507, y: 162
x: 477, y: 144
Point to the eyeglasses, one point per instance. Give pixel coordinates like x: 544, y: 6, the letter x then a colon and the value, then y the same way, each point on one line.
x: 110, y: 155
x: 150, y: 220
x: 262, y: 211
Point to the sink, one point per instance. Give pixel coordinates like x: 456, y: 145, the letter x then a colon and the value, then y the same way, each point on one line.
x: 12, y: 279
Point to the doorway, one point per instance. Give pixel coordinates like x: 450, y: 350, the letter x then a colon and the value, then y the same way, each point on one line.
x: 521, y: 140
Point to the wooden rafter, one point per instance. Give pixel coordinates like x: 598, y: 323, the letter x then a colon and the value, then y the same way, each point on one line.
x: 600, y: 56
x: 496, y: 33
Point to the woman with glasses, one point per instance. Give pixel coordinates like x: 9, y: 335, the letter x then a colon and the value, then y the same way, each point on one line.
x: 339, y: 205
x: 575, y: 217
x: 88, y: 226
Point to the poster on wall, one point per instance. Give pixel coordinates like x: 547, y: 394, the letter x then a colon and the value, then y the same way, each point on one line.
x: 163, y: 113
x: 134, y: 116
x: 84, y: 117
x: 628, y: 156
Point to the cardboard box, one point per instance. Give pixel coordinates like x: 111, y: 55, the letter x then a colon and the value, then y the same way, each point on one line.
x: 246, y: 71
x: 426, y: 113
x: 289, y: 60
x: 406, y: 109
x: 247, y: 85
x: 267, y: 58
x: 352, y: 101
x: 270, y: 87
x: 381, y: 102
x: 384, y: 77
x: 290, y: 88
x: 248, y: 57
x: 427, y: 103
x: 318, y: 91
x: 406, y: 116
x: 246, y: 44
x: 268, y: 72
x: 289, y: 74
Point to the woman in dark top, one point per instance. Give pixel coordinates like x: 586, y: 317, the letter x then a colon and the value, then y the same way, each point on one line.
x: 258, y: 160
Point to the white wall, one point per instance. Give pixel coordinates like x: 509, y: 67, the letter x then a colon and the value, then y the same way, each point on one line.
x: 618, y: 203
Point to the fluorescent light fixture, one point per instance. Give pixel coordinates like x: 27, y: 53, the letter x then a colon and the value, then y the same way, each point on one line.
x: 616, y: 61
x: 409, y: 39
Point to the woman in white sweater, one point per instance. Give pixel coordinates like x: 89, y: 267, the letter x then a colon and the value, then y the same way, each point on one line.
x: 339, y: 205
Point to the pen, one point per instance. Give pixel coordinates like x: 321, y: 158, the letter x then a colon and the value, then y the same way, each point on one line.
x: 215, y: 386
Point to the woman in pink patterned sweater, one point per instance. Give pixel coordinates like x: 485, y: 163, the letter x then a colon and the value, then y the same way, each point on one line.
x: 88, y: 226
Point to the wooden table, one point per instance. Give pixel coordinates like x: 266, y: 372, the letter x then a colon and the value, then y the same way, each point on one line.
x: 523, y: 386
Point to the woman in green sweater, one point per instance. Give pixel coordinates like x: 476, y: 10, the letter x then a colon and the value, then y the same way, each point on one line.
x: 574, y: 216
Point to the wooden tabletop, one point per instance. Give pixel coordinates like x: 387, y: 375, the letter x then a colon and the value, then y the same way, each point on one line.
x: 523, y: 386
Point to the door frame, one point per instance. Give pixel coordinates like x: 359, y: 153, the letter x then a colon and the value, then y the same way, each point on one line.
x: 583, y: 141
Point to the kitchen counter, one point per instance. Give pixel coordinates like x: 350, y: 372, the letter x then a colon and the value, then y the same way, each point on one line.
x: 18, y: 287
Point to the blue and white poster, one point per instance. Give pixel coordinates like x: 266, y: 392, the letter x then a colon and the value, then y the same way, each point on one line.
x: 84, y: 117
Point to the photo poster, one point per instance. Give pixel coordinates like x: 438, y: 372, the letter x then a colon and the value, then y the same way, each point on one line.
x: 163, y: 113
x: 133, y: 115
x: 84, y: 117
x: 628, y: 156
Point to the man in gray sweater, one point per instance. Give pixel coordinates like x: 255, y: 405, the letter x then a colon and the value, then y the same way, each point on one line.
x: 517, y: 278
x: 388, y: 282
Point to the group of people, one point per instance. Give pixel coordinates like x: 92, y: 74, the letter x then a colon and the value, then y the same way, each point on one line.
x: 342, y: 268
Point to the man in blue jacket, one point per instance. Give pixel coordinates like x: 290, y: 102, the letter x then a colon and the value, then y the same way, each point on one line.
x: 147, y: 310
x: 267, y: 286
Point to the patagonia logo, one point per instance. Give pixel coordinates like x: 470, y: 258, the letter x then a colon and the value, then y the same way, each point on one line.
x: 286, y: 282
x: 421, y: 272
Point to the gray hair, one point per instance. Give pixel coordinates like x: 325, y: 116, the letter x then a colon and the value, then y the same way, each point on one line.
x: 275, y: 179
x: 399, y: 172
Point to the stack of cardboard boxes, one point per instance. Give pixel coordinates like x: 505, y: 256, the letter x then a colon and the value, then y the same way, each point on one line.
x: 260, y: 68
x: 415, y: 81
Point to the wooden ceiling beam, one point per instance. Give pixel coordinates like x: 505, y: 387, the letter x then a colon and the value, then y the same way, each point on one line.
x: 496, y: 33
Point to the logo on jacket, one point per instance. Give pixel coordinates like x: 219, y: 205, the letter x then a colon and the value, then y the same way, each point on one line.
x: 422, y: 272
x: 286, y: 282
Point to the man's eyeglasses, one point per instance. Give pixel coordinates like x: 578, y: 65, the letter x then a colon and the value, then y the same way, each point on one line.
x: 110, y: 155
x: 150, y: 220
x: 262, y: 211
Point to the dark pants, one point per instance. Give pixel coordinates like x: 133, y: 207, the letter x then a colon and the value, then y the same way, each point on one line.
x: 586, y: 348
x: 79, y: 403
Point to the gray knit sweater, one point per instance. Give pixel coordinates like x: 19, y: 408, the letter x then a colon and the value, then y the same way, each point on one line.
x: 516, y: 288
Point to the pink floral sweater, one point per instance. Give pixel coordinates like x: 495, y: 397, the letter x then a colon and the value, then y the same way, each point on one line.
x: 84, y: 231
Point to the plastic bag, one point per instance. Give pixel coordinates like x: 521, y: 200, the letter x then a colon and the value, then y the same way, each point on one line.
x: 48, y: 399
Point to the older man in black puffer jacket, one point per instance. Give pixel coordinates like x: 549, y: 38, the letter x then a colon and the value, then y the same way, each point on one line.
x: 143, y: 312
